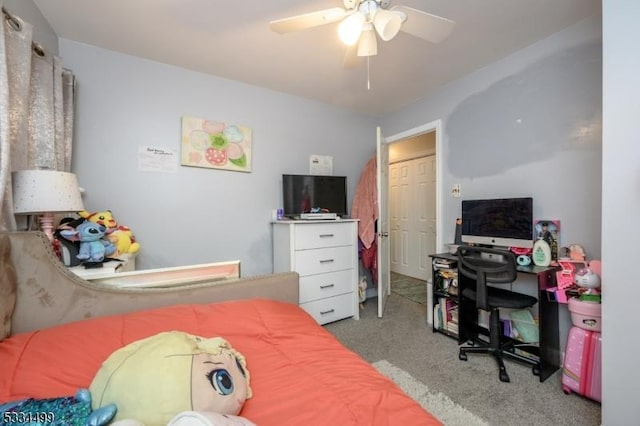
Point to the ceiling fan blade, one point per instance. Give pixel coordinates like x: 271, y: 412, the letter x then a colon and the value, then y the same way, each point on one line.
x: 308, y: 20
x: 424, y: 25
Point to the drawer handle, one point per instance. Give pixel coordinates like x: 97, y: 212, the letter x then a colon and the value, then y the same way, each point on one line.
x: 327, y: 286
x: 330, y: 311
x: 326, y: 261
x: 326, y: 235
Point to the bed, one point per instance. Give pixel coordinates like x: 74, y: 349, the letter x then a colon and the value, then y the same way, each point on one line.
x: 63, y: 328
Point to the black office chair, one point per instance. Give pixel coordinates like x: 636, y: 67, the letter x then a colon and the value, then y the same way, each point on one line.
x: 484, y: 266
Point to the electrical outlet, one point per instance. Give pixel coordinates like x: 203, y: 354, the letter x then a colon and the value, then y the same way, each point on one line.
x: 455, y: 190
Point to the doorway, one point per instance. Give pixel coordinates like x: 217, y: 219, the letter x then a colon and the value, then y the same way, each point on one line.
x: 412, y: 217
x: 414, y: 200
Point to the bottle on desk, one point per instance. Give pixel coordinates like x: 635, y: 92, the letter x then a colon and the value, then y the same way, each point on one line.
x: 541, y: 253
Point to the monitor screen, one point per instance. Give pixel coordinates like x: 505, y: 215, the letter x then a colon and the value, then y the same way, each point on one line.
x: 302, y: 193
x: 504, y: 222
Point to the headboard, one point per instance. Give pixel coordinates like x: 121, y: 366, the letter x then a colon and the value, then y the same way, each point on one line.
x: 48, y: 294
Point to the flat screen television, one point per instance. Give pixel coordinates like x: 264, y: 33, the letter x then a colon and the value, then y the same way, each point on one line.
x: 302, y: 193
x: 504, y: 222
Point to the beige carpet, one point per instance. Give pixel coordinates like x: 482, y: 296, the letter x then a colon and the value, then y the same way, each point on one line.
x: 436, y: 403
x: 403, y: 338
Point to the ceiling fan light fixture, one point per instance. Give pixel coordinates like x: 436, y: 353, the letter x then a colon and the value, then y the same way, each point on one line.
x: 387, y: 23
x: 368, y: 45
x: 350, y: 28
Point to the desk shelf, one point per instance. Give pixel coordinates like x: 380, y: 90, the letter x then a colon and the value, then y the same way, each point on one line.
x: 445, y: 301
x: 548, y: 348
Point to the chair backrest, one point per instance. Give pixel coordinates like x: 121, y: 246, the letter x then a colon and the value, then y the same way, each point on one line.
x: 486, y: 265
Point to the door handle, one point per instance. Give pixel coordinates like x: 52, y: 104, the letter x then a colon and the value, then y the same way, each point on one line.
x: 384, y: 234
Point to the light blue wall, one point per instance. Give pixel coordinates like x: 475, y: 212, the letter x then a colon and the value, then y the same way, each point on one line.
x: 620, y: 205
x: 528, y: 125
x: 197, y: 215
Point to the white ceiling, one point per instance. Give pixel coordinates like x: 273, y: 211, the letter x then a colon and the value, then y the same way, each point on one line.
x: 231, y: 39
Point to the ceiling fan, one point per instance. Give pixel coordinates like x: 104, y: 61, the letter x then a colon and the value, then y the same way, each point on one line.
x: 363, y: 19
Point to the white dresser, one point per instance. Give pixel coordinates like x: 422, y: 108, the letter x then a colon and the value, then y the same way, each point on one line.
x: 325, y: 255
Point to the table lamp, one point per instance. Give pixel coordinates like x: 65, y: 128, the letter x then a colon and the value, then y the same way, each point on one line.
x: 43, y: 193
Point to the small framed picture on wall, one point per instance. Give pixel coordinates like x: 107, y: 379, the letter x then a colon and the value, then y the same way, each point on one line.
x: 549, y: 230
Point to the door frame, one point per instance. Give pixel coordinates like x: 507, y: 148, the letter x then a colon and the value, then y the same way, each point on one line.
x: 436, y: 126
x: 382, y: 252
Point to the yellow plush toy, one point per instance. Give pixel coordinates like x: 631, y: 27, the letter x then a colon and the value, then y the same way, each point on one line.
x: 174, y: 375
x: 119, y: 235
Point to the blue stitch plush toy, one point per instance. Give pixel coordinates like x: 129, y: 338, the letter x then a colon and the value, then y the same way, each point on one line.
x: 93, y: 247
x: 64, y: 411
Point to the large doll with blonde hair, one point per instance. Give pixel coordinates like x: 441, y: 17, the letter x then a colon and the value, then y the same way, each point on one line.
x: 172, y: 377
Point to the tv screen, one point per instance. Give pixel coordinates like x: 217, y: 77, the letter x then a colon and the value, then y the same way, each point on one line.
x: 498, y: 222
x: 301, y: 193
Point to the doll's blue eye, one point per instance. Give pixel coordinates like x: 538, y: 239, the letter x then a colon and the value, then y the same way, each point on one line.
x: 221, y: 381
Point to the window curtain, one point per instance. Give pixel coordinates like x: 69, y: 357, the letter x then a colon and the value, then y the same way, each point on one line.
x: 36, y: 109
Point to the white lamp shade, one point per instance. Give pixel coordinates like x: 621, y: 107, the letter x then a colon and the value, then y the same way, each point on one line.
x: 40, y: 191
x: 368, y: 45
x: 350, y: 28
x: 387, y: 24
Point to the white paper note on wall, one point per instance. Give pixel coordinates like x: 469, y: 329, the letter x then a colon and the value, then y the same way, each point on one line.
x: 156, y: 159
x: 321, y: 165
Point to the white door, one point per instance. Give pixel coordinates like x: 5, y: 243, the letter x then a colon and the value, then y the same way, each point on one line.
x: 425, y: 218
x: 401, y: 209
x: 397, y: 225
x: 382, y: 170
x: 412, y: 216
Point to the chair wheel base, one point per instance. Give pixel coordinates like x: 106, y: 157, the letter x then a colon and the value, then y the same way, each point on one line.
x: 462, y: 356
x: 504, y: 377
x: 535, y: 370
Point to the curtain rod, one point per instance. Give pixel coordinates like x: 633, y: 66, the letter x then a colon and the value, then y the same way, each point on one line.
x: 16, y: 24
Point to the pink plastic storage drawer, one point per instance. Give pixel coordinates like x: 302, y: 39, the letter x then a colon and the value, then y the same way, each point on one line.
x: 585, y: 315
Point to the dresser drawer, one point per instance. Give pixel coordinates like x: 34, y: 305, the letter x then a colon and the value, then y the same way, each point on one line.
x: 325, y: 255
x: 332, y: 308
x: 313, y: 287
x: 318, y: 235
x: 310, y: 262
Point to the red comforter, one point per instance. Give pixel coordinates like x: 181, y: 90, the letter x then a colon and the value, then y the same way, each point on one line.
x: 300, y: 373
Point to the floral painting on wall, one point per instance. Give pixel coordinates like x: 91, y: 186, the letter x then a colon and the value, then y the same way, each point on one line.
x: 215, y: 145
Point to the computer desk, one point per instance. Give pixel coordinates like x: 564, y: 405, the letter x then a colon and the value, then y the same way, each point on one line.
x: 548, y: 349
